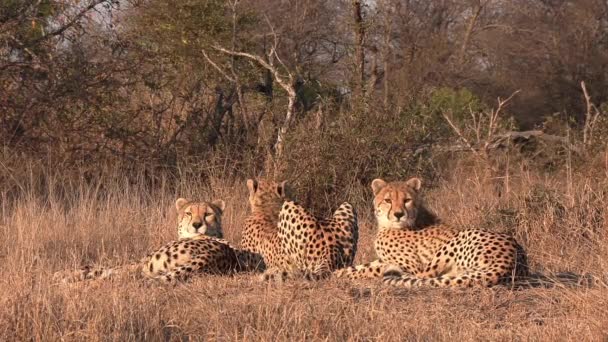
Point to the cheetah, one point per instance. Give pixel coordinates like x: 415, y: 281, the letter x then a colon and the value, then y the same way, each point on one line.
x: 260, y: 234
x: 416, y: 250
x: 200, y: 249
x: 293, y: 242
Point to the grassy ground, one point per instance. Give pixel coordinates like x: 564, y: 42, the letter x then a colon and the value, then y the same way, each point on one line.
x: 562, y: 221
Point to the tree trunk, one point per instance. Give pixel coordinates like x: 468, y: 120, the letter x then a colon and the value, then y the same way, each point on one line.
x: 279, y: 145
x: 222, y: 106
x: 286, y: 82
x: 359, y: 86
x: 388, y: 23
x: 469, y: 30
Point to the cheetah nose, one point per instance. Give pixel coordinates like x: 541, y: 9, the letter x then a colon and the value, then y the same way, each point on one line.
x: 197, y: 225
x: 398, y: 214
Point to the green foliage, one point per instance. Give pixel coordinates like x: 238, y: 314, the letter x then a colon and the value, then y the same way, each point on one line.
x: 354, y: 148
x: 181, y: 30
x: 27, y: 20
x: 457, y: 104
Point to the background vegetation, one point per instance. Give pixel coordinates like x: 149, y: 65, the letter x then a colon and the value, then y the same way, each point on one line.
x: 157, y: 85
x: 111, y: 109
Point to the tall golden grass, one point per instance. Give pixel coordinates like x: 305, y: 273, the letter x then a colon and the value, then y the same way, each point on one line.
x: 51, y: 221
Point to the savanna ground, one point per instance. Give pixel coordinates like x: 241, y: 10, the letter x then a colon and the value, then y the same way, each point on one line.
x: 50, y: 224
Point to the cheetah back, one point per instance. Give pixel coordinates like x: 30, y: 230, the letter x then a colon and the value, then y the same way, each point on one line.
x: 319, y: 246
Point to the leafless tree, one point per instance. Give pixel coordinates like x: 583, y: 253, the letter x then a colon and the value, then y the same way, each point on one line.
x: 282, y: 75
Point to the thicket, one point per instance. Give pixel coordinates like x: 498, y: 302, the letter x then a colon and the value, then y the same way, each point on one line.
x: 325, y: 94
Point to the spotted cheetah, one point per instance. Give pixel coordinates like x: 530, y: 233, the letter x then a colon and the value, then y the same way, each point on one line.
x: 416, y: 250
x: 261, y: 233
x: 292, y: 241
x: 200, y: 249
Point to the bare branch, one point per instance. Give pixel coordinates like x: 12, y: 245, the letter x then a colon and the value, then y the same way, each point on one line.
x: 492, y: 126
x: 458, y: 132
x: 275, y: 73
x: 495, y: 113
x: 216, y: 67
x: 273, y: 49
x: 591, y: 116
x: 287, y: 85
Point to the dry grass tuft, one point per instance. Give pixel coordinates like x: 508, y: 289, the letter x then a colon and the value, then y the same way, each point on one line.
x: 53, y: 226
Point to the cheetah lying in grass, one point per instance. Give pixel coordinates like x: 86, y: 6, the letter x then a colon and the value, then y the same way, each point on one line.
x: 415, y: 250
x: 200, y: 249
x: 292, y: 242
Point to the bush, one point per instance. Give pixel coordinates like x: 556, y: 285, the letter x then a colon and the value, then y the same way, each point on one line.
x: 457, y: 104
x: 352, y: 149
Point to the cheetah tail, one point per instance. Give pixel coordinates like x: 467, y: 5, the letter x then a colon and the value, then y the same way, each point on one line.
x: 90, y: 272
x: 249, y: 261
x: 345, y: 212
x: 394, y: 276
x: 561, y: 279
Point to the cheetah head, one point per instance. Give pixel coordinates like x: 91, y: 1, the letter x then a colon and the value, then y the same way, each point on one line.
x: 267, y: 196
x: 396, y: 203
x: 199, y: 218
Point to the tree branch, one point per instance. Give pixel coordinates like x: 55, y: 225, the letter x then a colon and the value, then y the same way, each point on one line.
x: 286, y: 85
x: 591, y: 116
x: 216, y: 67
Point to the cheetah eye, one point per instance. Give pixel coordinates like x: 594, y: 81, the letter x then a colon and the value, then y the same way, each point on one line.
x: 208, y: 214
x: 388, y: 200
x: 407, y: 201
x: 188, y: 213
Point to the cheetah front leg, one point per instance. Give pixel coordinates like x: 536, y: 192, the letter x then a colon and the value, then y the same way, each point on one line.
x: 277, y: 275
x: 449, y: 268
x: 444, y: 263
x: 297, y: 272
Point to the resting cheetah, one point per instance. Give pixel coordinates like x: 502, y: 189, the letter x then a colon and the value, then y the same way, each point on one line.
x: 199, y: 250
x: 414, y: 249
x: 261, y: 234
x: 293, y: 241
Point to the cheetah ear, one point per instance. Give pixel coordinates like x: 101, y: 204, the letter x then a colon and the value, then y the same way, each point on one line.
x: 377, y: 185
x: 220, y: 204
x: 179, y: 204
x: 252, y: 185
x: 282, y: 189
x: 414, y: 183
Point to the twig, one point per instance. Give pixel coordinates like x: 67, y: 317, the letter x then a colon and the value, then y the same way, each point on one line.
x: 462, y: 137
x: 214, y: 65
x: 495, y: 113
x: 590, y: 118
x: 493, y: 116
x: 286, y: 85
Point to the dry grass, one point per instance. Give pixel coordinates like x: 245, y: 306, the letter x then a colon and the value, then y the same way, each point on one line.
x: 55, y: 225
